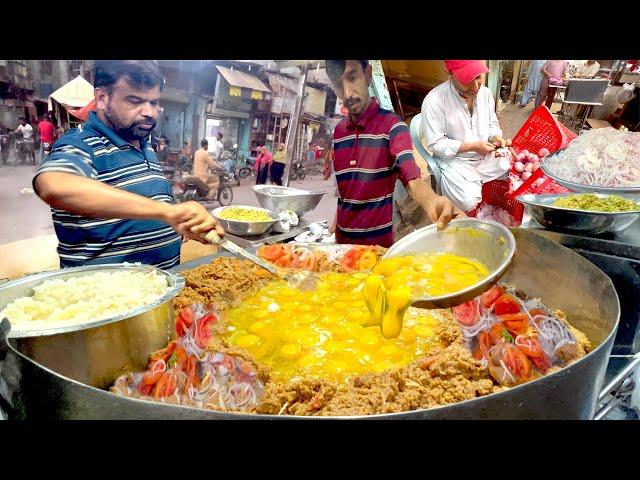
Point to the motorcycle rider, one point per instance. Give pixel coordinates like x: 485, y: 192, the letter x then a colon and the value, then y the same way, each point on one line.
x: 46, y: 131
x: 202, y: 162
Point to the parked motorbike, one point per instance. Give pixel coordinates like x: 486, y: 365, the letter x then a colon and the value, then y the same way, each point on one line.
x: 248, y: 168
x: 228, y: 159
x: 298, y: 171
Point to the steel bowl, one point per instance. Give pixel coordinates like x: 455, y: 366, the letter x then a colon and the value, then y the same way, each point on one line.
x: 96, y: 352
x: 489, y: 242
x: 541, y: 209
x: 245, y: 229
x: 286, y: 198
x: 581, y: 187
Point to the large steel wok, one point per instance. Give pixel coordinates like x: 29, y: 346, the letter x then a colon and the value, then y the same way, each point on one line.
x: 541, y: 268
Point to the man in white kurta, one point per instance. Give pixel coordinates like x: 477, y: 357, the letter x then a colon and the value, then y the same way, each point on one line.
x: 462, y: 131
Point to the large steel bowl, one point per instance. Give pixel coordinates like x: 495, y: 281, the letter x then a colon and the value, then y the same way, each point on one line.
x: 489, y: 242
x: 540, y: 267
x: 541, y: 208
x: 286, y: 198
x: 96, y: 352
x: 581, y: 187
x: 241, y: 228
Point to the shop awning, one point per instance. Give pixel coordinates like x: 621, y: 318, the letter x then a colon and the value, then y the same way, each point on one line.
x: 76, y: 94
x: 241, y: 79
x: 83, y: 113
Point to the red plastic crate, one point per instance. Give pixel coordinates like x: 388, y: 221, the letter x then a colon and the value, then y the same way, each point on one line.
x: 496, y: 193
x: 541, y: 130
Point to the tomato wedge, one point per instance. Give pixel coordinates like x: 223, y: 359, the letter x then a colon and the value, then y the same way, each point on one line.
x: 467, y: 313
x: 488, y: 298
x: 165, y: 386
x: 349, y: 261
x: 498, y: 333
x: 530, y: 346
x: 516, y: 323
x: 148, y: 382
x: 271, y: 253
x: 484, y: 344
x: 506, y: 304
x: 204, y: 330
x: 185, y: 320
x: 543, y: 364
x: 516, y: 361
x: 284, y: 261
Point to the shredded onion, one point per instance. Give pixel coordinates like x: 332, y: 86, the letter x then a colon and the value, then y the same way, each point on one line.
x: 603, y: 157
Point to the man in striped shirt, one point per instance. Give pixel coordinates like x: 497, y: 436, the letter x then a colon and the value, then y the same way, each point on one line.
x: 373, y: 148
x: 109, y: 198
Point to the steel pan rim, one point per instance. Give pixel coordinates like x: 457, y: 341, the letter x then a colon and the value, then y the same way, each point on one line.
x: 443, y: 301
x: 175, y: 280
x: 526, y: 199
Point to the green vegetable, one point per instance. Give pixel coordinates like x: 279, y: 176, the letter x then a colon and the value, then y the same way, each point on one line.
x: 591, y: 202
x: 507, y: 337
x: 172, y: 360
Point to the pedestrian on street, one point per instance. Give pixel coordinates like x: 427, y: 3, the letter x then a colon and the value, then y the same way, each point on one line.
x: 27, y: 137
x: 262, y: 166
x: 47, y: 133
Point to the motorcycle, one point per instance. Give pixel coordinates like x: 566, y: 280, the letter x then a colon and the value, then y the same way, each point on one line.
x: 248, y: 169
x: 187, y: 189
x: 228, y: 159
x: 298, y: 171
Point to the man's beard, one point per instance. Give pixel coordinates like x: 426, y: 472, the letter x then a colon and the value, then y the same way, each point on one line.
x: 128, y: 131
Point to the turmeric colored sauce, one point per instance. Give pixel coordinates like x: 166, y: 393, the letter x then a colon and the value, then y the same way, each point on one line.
x: 324, y: 333
x: 389, y: 290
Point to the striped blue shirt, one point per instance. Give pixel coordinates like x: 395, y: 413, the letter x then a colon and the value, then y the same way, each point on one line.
x: 95, y: 151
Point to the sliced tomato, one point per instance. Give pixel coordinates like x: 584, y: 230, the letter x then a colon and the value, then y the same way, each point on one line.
x: 204, y: 330
x: 543, y: 363
x: 190, y: 370
x: 184, y: 321
x: 163, y: 354
x: 516, y: 361
x: 484, y: 344
x: 530, y: 346
x: 538, y: 311
x: 498, y: 333
x: 516, y: 323
x: 309, y: 263
x: 284, y: 261
x: 488, y: 298
x: 350, y: 259
x: 165, y: 386
x: 506, y: 304
x: 148, y: 382
x: 467, y: 313
x: 181, y: 357
x: 271, y: 253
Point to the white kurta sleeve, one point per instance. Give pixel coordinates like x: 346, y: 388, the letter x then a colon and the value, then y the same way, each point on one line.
x: 494, y: 124
x: 433, y: 121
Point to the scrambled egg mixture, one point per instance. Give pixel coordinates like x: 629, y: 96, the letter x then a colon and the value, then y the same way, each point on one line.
x: 324, y: 333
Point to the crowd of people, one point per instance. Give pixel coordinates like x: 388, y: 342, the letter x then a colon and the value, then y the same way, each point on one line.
x: 21, y: 141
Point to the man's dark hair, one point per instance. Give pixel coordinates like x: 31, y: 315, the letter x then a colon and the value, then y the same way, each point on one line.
x: 335, y: 68
x: 22, y: 118
x: 142, y: 74
x: 220, y: 134
x: 184, y: 144
x: 204, y: 142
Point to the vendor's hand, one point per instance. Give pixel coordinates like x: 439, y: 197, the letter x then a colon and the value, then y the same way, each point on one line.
x: 192, y: 220
x: 500, y: 142
x: 484, y: 148
x: 441, y: 210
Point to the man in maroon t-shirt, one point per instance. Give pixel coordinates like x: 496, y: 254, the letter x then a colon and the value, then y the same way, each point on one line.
x: 47, y: 133
x: 373, y: 148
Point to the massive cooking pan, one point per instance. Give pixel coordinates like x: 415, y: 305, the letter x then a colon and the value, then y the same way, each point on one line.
x: 541, y: 267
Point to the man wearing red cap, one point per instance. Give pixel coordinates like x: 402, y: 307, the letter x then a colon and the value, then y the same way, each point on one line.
x: 462, y: 131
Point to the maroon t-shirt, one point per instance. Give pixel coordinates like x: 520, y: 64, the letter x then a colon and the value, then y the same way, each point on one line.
x: 368, y: 158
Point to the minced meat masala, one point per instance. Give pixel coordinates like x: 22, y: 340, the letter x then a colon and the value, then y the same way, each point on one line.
x: 446, y: 375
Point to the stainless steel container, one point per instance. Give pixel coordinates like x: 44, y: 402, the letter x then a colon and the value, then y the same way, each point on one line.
x: 541, y: 208
x: 287, y: 198
x: 244, y: 229
x: 540, y: 267
x: 96, y: 353
x: 489, y: 242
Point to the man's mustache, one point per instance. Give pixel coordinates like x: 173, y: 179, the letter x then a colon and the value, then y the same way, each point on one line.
x: 350, y: 102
